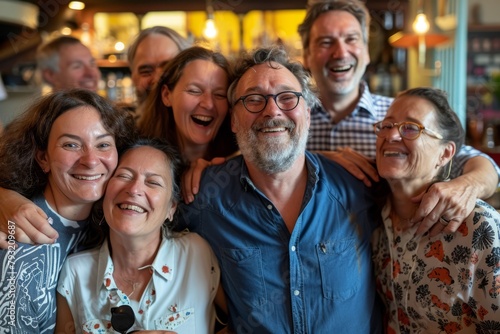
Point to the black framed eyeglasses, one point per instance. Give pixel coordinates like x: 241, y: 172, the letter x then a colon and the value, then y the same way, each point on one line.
x: 407, y: 130
x: 255, y: 103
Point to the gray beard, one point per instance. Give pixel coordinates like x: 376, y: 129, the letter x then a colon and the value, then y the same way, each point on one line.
x: 272, y: 156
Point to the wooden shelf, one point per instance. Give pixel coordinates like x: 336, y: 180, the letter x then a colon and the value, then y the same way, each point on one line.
x: 112, y: 64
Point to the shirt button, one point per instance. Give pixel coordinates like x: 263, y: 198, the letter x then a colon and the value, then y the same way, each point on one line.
x: 296, y: 292
x: 293, y: 248
x: 269, y: 206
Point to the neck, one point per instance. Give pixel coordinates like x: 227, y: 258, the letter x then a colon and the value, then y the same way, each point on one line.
x: 193, y: 152
x: 340, y: 106
x: 132, y: 263
x: 65, y: 207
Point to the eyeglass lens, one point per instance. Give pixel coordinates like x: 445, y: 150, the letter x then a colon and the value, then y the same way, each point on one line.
x: 284, y: 100
x: 406, y: 129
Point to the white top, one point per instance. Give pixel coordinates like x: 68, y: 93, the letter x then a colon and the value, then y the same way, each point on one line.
x: 179, y: 296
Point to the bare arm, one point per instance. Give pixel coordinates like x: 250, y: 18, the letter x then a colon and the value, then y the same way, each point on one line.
x: 30, y: 221
x: 359, y: 165
x: 454, y: 200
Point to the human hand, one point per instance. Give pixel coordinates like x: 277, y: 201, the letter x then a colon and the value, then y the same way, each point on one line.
x: 359, y: 165
x: 191, y: 178
x: 443, y: 207
x: 27, y: 220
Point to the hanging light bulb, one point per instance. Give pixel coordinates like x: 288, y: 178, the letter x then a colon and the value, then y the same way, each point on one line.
x: 210, y: 31
x: 421, y: 25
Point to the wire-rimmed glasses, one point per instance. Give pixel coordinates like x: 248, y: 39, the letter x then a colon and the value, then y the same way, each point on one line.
x: 407, y: 130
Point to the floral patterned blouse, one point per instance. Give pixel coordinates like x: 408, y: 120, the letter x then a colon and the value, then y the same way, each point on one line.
x: 446, y: 284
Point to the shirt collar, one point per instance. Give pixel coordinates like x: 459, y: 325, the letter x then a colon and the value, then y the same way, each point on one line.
x: 365, y: 102
x: 163, y: 264
x: 312, y: 172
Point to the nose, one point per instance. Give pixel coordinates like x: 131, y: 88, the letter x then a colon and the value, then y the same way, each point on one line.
x: 207, y: 101
x: 135, y: 187
x: 393, y: 134
x: 90, y: 158
x: 271, y: 108
x: 339, y: 50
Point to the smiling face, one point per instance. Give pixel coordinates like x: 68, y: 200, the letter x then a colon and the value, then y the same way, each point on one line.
x: 337, y: 55
x: 138, y: 198
x: 199, y: 103
x: 77, y: 69
x: 153, y: 52
x: 80, y: 158
x: 412, y: 162
x: 271, y: 139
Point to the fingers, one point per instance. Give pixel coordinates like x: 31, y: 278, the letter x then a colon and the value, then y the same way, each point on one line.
x: 442, y: 208
x: 4, y: 242
x: 192, y: 177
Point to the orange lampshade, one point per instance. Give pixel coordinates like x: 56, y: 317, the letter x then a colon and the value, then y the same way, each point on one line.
x: 408, y: 40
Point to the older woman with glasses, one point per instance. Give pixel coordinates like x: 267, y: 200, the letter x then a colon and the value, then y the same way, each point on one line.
x: 450, y: 282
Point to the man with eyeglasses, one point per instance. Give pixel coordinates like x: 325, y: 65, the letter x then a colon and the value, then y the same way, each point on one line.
x: 335, y: 41
x: 291, y: 229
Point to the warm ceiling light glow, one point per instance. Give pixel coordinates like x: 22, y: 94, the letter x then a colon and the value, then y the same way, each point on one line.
x: 76, y: 5
x: 421, y: 24
x: 119, y: 46
x: 66, y: 31
x: 210, y: 30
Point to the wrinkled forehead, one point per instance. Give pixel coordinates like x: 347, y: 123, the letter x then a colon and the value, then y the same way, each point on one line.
x: 267, y: 78
x: 415, y: 108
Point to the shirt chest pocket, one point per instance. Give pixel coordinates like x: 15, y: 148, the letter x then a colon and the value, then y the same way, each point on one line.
x: 244, y: 265
x: 339, y: 270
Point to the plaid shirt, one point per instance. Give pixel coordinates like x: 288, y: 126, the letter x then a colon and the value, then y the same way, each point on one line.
x: 356, y: 130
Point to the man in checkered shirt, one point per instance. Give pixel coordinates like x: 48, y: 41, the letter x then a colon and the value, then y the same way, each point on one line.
x: 335, y: 41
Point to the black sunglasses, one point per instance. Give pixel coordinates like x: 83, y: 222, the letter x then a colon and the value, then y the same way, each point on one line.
x: 122, y: 318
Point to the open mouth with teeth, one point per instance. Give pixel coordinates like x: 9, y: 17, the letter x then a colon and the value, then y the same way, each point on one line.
x: 87, y: 178
x: 131, y: 207
x: 202, y: 120
x: 395, y: 154
x: 341, y: 69
x: 270, y: 130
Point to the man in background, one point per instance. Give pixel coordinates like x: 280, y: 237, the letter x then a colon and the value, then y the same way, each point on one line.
x: 65, y: 63
x: 149, y: 53
x: 335, y: 42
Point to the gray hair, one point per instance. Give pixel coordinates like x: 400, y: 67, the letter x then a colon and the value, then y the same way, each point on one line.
x: 180, y: 41
x: 280, y: 56
x: 47, y: 54
x: 354, y: 7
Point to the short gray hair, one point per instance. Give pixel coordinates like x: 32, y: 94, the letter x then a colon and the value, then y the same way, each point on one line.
x: 47, y: 54
x: 278, y: 55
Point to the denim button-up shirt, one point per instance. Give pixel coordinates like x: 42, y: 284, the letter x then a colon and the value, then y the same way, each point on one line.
x: 319, y: 278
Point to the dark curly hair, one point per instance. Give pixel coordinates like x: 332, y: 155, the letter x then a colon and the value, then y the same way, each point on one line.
x: 29, y: 133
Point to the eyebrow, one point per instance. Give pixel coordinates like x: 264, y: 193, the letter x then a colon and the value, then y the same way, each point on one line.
x: 72, y: 136
x: 260, y: 90
x: 133, y: 171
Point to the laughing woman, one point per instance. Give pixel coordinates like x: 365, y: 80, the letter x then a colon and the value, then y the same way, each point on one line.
x: 60, y: 153
x: 168, y: 279
x: 448, y: 283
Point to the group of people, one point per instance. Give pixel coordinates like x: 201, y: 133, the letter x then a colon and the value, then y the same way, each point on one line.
x: 313, y: 203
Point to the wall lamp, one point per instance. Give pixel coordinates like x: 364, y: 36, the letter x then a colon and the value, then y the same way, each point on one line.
x: 420, y: 37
